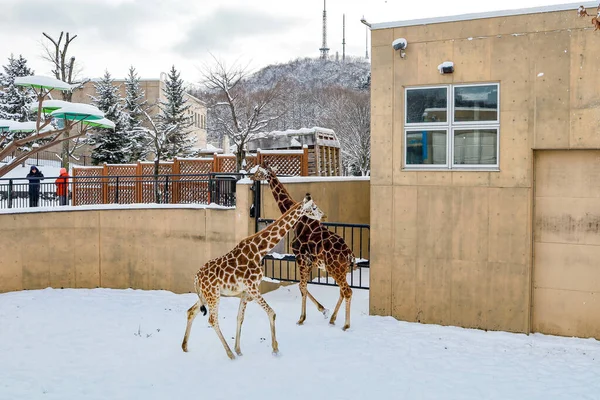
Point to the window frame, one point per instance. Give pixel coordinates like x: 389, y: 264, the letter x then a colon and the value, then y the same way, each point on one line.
x: 450, y: 126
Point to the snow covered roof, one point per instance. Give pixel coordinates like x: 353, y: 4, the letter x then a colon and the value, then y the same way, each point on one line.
x: 211, y: 149
x: 294, y: 138
x: 38, y: 81
x: 49, y: 105
x: 488, y: 14
x: 78, y: 112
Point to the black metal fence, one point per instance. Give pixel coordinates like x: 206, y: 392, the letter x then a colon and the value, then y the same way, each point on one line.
x: 280, y: 263
x: 214, y: 188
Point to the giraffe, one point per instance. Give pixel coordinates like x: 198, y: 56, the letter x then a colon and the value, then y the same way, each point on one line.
x: 314, y: 244
x: 239, y: 272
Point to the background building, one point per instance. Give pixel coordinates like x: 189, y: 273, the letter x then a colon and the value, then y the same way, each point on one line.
x: 153, y: 90
x: 485, y: 193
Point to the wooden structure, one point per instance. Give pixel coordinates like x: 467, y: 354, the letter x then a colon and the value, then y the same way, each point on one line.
x: 190, y: 183
x: 324, y: 158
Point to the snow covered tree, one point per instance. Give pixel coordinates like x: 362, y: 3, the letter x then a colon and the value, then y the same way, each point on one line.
x: 174, y: 116
x: 135, y: 104
x: 15, y: 101
x: 111, y: 146
x: 244, y: 110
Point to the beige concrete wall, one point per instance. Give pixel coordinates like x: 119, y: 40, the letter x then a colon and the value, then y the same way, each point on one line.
x: 454, y: 247
x: 120, y: 248
x: 566, y: 276
x: 343, y: 200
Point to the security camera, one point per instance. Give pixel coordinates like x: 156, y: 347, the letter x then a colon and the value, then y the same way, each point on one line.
x: 399, y: 44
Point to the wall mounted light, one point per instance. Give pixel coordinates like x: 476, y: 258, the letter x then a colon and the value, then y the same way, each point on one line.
x: 447, y: 67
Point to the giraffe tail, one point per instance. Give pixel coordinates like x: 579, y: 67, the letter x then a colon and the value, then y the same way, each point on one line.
x: 197, y: 288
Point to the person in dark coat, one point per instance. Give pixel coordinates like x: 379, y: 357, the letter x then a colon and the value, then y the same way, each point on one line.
x: 34, y: 176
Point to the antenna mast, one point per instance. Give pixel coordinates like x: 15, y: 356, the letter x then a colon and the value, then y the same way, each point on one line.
x: 343, y: 37
x: 366, y: 42
x: 324, y: 49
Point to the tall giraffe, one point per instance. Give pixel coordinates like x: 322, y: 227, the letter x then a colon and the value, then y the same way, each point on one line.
x: 314, y: 245
x: 240, y: 272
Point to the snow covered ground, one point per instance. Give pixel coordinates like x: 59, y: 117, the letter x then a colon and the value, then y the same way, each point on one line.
x: 125, y: 344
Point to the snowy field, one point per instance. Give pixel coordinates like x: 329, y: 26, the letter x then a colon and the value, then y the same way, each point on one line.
x: 125, y: 344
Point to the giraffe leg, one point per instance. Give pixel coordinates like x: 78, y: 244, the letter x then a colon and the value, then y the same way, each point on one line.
x: 305, y: 265
x: 191, y: 314
x: 348, y: 297
x: 213, y: 320
x: 345, y: 293
x: 240, y: 320
x: 304, y: 272
x: 255, y: 294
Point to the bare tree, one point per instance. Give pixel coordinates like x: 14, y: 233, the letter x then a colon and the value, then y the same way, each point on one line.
x: 65, y: 69
x: 158, y: 138
x: 245, y: 111
x: 348, y: 113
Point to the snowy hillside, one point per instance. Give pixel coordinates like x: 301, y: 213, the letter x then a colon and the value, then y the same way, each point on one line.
x: 125, y: 344
x: 311, y: 73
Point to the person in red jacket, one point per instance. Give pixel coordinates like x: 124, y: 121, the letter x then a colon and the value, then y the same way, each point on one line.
x: 62, y: 187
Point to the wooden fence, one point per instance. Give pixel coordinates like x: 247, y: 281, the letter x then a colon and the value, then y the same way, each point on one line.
x: 133, y: 183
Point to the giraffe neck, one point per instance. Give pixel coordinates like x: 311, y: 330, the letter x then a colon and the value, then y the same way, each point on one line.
x: 282, y: 197
x: 273, y: 233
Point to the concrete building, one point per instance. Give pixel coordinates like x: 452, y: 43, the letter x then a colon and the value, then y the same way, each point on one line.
x: 485, y: 193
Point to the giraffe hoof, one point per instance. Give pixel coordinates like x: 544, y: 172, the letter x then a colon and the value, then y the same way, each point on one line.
x: 239, y: 353
x: 275, y: 353
x: 231, y: 356
x: 346, y: 327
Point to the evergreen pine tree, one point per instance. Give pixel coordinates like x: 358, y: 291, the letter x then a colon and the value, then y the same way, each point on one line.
x: 174, y: 111
x: 134, y: 106
x: 112, y: 146
x: 15, y: 101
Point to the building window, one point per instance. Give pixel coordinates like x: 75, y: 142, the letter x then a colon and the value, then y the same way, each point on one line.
x: 452, y: 127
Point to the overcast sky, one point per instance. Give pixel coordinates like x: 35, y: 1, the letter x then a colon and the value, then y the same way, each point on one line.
x: 152, y: 35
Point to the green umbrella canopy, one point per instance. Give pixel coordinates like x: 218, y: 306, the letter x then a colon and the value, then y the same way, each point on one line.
x: 5, y: 124
x: 78, y: 112
x: 101, y: 123
x: 16, y: 126
x: 49, y: 105
x: 42, y: 82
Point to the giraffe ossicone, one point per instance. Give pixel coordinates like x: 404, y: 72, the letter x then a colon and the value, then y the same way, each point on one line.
x: 239, y: 272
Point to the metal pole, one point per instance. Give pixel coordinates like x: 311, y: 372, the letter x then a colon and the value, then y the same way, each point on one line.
x: 117, y: 191
x: 10, y: 191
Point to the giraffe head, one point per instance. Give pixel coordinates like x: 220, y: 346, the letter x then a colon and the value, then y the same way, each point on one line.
x: 310, y: 209
x: 262, y: 172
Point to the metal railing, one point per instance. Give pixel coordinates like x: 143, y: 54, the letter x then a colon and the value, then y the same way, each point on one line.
x: 280, y: 263
x: 125, y: 189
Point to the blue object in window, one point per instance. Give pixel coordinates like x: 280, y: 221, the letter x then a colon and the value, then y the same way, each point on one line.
x: 424, y: 144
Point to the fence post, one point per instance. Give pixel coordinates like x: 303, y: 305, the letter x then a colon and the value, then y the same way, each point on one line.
x: 10, y: 191
x: 166, y: 189
x: 105, y: 184
x: 215, y: 166
x: 258, y: 157
x: 304, y: 168
x: 139, y: 182
x: 175, y: 181
x: 117, y: 191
